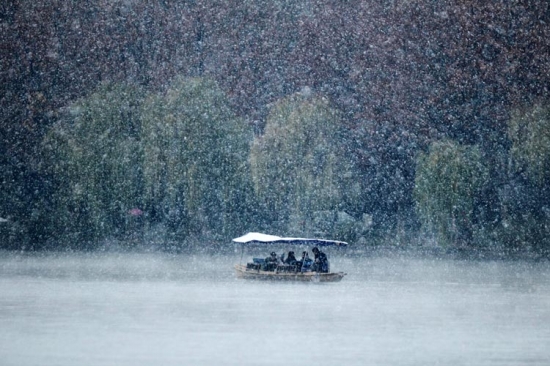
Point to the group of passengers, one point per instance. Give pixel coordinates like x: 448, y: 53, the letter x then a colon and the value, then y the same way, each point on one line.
x: 305, y: 264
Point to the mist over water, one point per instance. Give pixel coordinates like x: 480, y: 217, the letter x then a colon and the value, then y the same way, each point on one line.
x: 145, y: 309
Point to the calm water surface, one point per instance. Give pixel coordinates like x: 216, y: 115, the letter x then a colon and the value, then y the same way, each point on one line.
x: 158, y: 309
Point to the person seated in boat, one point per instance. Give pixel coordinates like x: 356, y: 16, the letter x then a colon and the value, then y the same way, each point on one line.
x: 301, y: 261
x: 290, y: 259
x: 270, y: 263
x: 320, y: 263
x: 305, y: 263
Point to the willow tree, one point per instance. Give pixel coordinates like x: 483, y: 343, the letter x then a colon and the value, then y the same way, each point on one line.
x: 195, y: 160
x: 526, y: 204
x: 94, y: 153
x: 448, y: 181
x: 298, y: 165
x: 529, y: 132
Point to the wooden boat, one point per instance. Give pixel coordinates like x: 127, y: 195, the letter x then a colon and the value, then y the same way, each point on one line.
x: 257, y: 274
x: 282, y: 272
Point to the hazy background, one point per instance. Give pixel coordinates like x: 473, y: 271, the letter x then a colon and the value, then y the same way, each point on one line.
x: 189, y: 123
x: 137, y: 138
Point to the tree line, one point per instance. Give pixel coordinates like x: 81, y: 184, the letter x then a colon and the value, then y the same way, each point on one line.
x: 406, y: 98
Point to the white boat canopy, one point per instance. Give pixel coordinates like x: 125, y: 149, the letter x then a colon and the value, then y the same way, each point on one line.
x: 259, y: 238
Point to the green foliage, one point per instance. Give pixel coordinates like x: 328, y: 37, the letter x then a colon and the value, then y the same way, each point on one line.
x: 525, y: 206
x: 298, y: 165
x: 529, y: 132
x: 180, y: 157
x: 94, y: 153
x: 525, y: 231
x: 448, y: 180
x: 195, y: 165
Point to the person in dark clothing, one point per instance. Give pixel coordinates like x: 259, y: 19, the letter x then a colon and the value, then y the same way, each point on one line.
x: 304, y: 265
x: 320, y: 263
x: 271, y: 262
x: 299, y: 262
x: 272, y: 257
x: 291, y: 259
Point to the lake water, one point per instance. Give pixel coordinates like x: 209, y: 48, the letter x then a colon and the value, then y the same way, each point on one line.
x: 160, y: 309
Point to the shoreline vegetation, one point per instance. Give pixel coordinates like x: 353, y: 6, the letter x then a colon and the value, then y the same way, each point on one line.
x: 203, y: 174
x: 378, y: 123
x: 411, y: 251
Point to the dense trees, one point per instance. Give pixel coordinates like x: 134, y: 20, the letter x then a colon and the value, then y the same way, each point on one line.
x: 300, y: 167
x: 196, y: 160
x: 402, y: 74
x: 525, y: 198
x: 178, y: 159
x: 449, y: 180
x: 452, y: 183
x: 529, y: 132
x: 94, y: 156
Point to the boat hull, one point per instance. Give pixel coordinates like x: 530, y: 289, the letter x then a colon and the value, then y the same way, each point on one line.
x: 253, y: 274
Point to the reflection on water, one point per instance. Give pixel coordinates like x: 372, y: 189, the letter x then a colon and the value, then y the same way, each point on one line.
x: 156, y: 309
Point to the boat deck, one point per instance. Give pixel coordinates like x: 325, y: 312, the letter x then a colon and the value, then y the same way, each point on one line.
x: 256, y: 274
